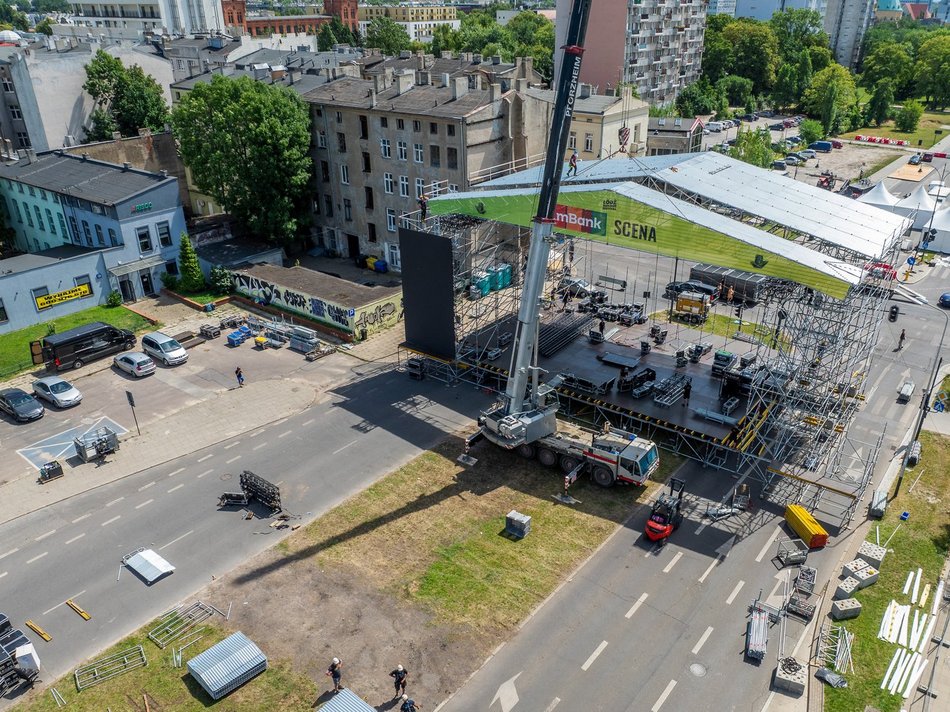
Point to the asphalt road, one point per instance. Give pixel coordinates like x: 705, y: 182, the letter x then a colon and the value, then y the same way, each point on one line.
x: 319, y: 458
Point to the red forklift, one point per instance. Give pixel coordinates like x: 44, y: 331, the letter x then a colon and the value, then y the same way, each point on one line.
x: 667, y: 512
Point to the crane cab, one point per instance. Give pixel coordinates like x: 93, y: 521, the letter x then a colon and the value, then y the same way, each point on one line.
x: 630, y: 458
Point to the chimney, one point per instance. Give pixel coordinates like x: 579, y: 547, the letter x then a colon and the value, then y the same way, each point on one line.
x: 584, y: 90
x: 459, y: 87
x: 521, y: 85
x: 494, y: 92
x: 372, y: 98
x: 405, y: 54
x: 422, y: 78
x: 380, y: 82
x: 277, y: 73
x: 446, y: 79
x: 116, y: 136
x: 404, y: 81
x: 496, y: 59
x: 126, y: 166
x: 420, y: 60
x: 528, y: 66
x: 30, y: 155
x: 476, y: 59
x: 163, y: 173
x: 85, y: 156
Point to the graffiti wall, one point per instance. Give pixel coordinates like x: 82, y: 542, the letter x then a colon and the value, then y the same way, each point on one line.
x: 372, y: 317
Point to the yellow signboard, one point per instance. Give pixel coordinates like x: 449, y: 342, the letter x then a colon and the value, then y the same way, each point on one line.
x: 51, y: 300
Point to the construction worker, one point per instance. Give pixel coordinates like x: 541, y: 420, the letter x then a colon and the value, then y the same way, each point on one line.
x: 335, y: 672
x: 423, y: 206
x: 687, y: 389
x: 900, y: 340
x: 409, y: 705
x: 399, y: 676
x: 572, y: 165
x: 602, y: 326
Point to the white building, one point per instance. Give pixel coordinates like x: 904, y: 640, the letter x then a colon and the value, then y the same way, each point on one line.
x: 722, y: 7
x: 764, y: 9
x: 418, y: 31
x: 178, y: 17
x: 846, y: 22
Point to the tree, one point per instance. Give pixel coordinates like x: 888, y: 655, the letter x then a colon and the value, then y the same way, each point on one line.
x: 444, y: 39
x: 811, y: 131
x: 103, y: 125
x: 325, y: 38
x: 755, y: 52
x: 829, y: 109
x: 888, y: 61
x: 139, y: 103
x: 753, y: 147
x: 44, y: 27
x: 933, y: 71
x: 13, y: 17
x: 45, y: 6
x: 786, y: 92
x: 909, y: 116
x: 797, y: 29
x: 247, y: 145
x: 388, y: 36
x: 717, y: 55
x: 523, y: 27
x: 878, y: 109
x: 192, y: 278
x: 343, y: 34
x: 700, y: 97
x: 737, y: 90
x: 833, y: 79
x: 804, y: 71
x: 820, y: 57
x: 102, y: 76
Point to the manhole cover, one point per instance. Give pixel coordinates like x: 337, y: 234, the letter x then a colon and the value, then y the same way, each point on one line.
x: 226, y: 476
x: 698, y: 669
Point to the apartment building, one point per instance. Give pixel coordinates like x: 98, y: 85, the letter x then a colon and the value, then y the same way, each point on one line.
x: 654, y: 45
x: 722, y: 7
x: 180, y: 17
x: 846, y: 22
x: 419, y: 20
x: 764, y: 9
x: 479, y: 69
x: 379, y: 146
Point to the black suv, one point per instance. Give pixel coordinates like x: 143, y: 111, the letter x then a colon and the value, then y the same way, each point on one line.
x: 673, y: 289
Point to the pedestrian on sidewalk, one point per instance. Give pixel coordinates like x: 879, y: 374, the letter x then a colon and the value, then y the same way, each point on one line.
x: 335, y: 672
x: 602, y: 326
x: 399, y: 676
x: 239, y: 375
x: 687, y: 389
x: 900, y: 340
x: 409, y: 705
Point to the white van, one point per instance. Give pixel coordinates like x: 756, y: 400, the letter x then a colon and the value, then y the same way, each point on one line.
x: 164, y: 348
x: 714, y: 126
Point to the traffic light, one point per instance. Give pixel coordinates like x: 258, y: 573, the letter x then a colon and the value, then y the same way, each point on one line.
x: 738, y: 312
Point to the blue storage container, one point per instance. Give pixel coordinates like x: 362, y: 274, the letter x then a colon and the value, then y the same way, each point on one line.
x: 235, y: 338
x: 483, y: 282
x: 497, y: 277
x: 506, y: 275
x: 381, y: 266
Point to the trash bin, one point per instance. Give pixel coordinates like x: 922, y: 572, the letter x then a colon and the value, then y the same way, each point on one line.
x: 209, y: 307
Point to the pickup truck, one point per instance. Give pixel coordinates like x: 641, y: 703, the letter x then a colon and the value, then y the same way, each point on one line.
x: 905, y: 392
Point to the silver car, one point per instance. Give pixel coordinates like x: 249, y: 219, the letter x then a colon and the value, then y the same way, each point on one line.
x: 164, y: 348
x: 57, y: 391
x: 135, y: 363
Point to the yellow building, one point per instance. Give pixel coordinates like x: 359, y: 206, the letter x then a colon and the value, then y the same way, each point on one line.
x: 407, y: 13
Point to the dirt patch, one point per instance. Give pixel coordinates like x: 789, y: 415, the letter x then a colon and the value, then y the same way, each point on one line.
x: 850, y: 162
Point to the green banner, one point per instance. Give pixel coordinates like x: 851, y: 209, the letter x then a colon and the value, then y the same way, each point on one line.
x: 613, y: 218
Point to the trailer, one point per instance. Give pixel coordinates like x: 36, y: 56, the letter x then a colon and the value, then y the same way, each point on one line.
x: 691, y: 307
x: 747, y: 287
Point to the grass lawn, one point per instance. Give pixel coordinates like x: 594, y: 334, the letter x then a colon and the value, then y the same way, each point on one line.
x: 446, y: 522
x: 15, y: 346
x: 203, y: 297
x: 929, y: 122
x: 726, y: 325
x: 922, y: 541
x: 170, y: 688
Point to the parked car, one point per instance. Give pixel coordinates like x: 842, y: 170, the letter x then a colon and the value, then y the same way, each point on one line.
x: 798, y: 155
x: 767, y: 114
x: 794, y: 140
x: 777, y: 127
x: 928, y: 157
x: 779, y: 165
x: 714, y: 126
x: 164, y: 348
x: 835, y: 143
x: 806, y: 153
x: 750, y: 117
x: 793, y: 160
x: 822, y: 146
x: 944, y: 300
x: 575, y: 286
x: 20, y: 405
x: 135, y: 363
x: 788, y: 123
x: 57, y: 391
x: 915, y: 159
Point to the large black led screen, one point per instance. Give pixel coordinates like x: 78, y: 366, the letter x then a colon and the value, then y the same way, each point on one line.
x: 427, y: 295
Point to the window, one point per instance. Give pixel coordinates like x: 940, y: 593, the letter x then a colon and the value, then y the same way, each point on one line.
x: 99, y: 236
x: 371, y: 236
x: 172, y: 268
x: 84, y: 279
x: 347, y: 209
x: 43, y: 194
x: 15, y: 111
x: 453, y: 188
x: 74, y: 230
x: 32, y: 192
x: 388, y: 183
x: 390, y: 219
x: 572, y: 140
x: 384, y: 122
x: 164, y: 234
x: 402, y: 150
x: 417, y: 126
x: 3, y: 309
x: 29, y: 217
x: 316, y: 206
x: 400, y: 124
x: 49, y: 219
x: 452, y: 156
x: 433, y: 128
x: 143, y: 235
x: 325, y: 171
x: 404, y: 186
x: 328, y: 204
x: 385, y: 148
x: 364, y: 127
x: 319, y: 111
x: 19, y: 187
x: 7, y: 85
x: 417, y: 153
x: 435, y: 157
x: 23, y: 139
x: 344, y: 174
x: 341, y: 142
x: 16, y: 209
x: 39, y: 217
x: 394, y: 260
x: 62, y: 225
x: 368, y: 193
x: 367, y: 166
x: 339, y: 116
x: 420, y: 187
x: 322, y: 139
x: 113, y: 239
x: 39, y: 292
x: 588, y: 142
x: 450, y: 129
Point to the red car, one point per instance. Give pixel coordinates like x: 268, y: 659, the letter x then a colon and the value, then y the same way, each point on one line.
x: 928, y: 157
x: 835, y: 143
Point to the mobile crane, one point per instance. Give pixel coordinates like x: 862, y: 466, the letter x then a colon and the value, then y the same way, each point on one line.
x: 526, y: 421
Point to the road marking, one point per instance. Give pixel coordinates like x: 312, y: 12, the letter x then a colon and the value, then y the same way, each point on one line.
x: 702, y: 640
x: 176, y: 487
x: 12, y: 551
x: 43, y: 536
x: 309, y: 422
x: 4, y: 574
x: 259, y: 446
x: 233, y: 459
x: 145, y: 487
x: 37, y: 558
x: 75, y: 538
x: 234, y: 444
x: 343, y: 448
x: 285, y: 434
x: 254, y: 435
x: 593, y: 655
x: 145, y: 503
x: 206, y: 472
x: 190, y: 531
x: 709, y: 569
x: 669, y: 566
x: 635, y: 606
x: 110, y: 520
x: 768, y: 545
x: 63, y: 603
x: 735, y: 592
x: 206, y: 457
x: 554, y: 703
x: 172, y: 474
x: 77, y: 520
x: 699, y: 529
x: 115, y: 501
x: 662, y: 698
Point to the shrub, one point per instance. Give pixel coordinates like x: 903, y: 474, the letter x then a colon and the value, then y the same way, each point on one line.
x: 220, y: 279
x: 114, y: 299
x: 170, y: 281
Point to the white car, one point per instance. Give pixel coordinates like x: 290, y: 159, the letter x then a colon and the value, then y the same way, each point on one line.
x: 135, y: 363
x: 807, y: 153
x: 57, y: 391
x: 164, y: 348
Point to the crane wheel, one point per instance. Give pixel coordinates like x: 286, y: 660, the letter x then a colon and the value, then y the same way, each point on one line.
x: 603, y: 476
x: 526, y: 451
x: 568, y: 463
x: 546, y: 457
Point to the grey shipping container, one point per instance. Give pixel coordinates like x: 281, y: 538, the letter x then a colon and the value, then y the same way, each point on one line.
x: 224, y: 667
x: 747, y: 286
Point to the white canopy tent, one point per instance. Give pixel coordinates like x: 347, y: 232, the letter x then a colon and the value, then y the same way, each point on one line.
x: 918, y: 202
x: 941, y: 223
x: 879, y: 196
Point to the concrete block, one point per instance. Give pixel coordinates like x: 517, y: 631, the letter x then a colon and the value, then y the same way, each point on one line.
x: 792, y: 681
x: 865, y: 577
x: 846, y: 588
x: 845, y: 609
x: 872, y: 553
x: 852, y: 567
